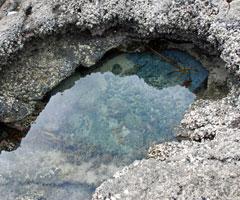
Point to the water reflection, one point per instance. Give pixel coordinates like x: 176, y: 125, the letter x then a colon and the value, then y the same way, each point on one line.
x: 164, y: 69
x: 89, y: 131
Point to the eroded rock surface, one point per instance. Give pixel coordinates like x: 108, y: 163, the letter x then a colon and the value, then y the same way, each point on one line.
x: 44, y: 65
x: 203, y: 22
x: 186, y: 170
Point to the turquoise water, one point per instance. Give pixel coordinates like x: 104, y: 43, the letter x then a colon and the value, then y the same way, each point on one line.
x: 157, y: 72
x: 102, y: 122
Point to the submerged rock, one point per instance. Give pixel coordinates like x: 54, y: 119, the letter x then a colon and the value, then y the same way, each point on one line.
x: 164, y: 69
x: 186, y: 170
x: 88, y: 132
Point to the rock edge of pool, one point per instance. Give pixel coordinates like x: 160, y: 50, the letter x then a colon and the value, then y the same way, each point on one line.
x: 44, y: 42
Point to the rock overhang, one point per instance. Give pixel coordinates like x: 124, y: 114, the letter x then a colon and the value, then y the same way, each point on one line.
x: 200, y: 22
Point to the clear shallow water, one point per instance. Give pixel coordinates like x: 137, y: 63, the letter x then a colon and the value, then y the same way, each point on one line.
x: 157, y: 72
x: 103, y: 122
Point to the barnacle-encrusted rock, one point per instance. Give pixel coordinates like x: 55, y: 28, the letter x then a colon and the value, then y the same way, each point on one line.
x: 188, y: 170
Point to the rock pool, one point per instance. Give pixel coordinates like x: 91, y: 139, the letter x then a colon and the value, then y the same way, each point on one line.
x: 104, y: 121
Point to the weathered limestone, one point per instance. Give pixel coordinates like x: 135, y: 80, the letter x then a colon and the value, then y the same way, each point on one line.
x: 197, y: 21
x: 186, y: 170
x: 43, y: 65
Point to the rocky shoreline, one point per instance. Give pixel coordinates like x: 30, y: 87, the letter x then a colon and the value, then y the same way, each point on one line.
x: 43, y: 42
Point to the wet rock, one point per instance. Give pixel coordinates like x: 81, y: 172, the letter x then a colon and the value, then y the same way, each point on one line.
x: 12, y: 110
x: 117, y: 69
x: 43, y: 66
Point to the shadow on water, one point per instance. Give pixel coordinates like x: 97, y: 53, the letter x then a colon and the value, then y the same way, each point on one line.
x: 99, y: 121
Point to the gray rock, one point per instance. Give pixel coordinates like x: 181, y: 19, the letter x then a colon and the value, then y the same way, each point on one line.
x: 186, y: 170
x: 21, y: 31
x: 43, y: 65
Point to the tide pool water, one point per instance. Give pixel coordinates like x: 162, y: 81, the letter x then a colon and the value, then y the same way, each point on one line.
x: 104, y: 121
x: 179, y: 69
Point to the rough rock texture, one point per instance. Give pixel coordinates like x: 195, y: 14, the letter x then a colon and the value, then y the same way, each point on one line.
x: 203, y: 22
x: 42, y: 66
x: 186, y: 170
